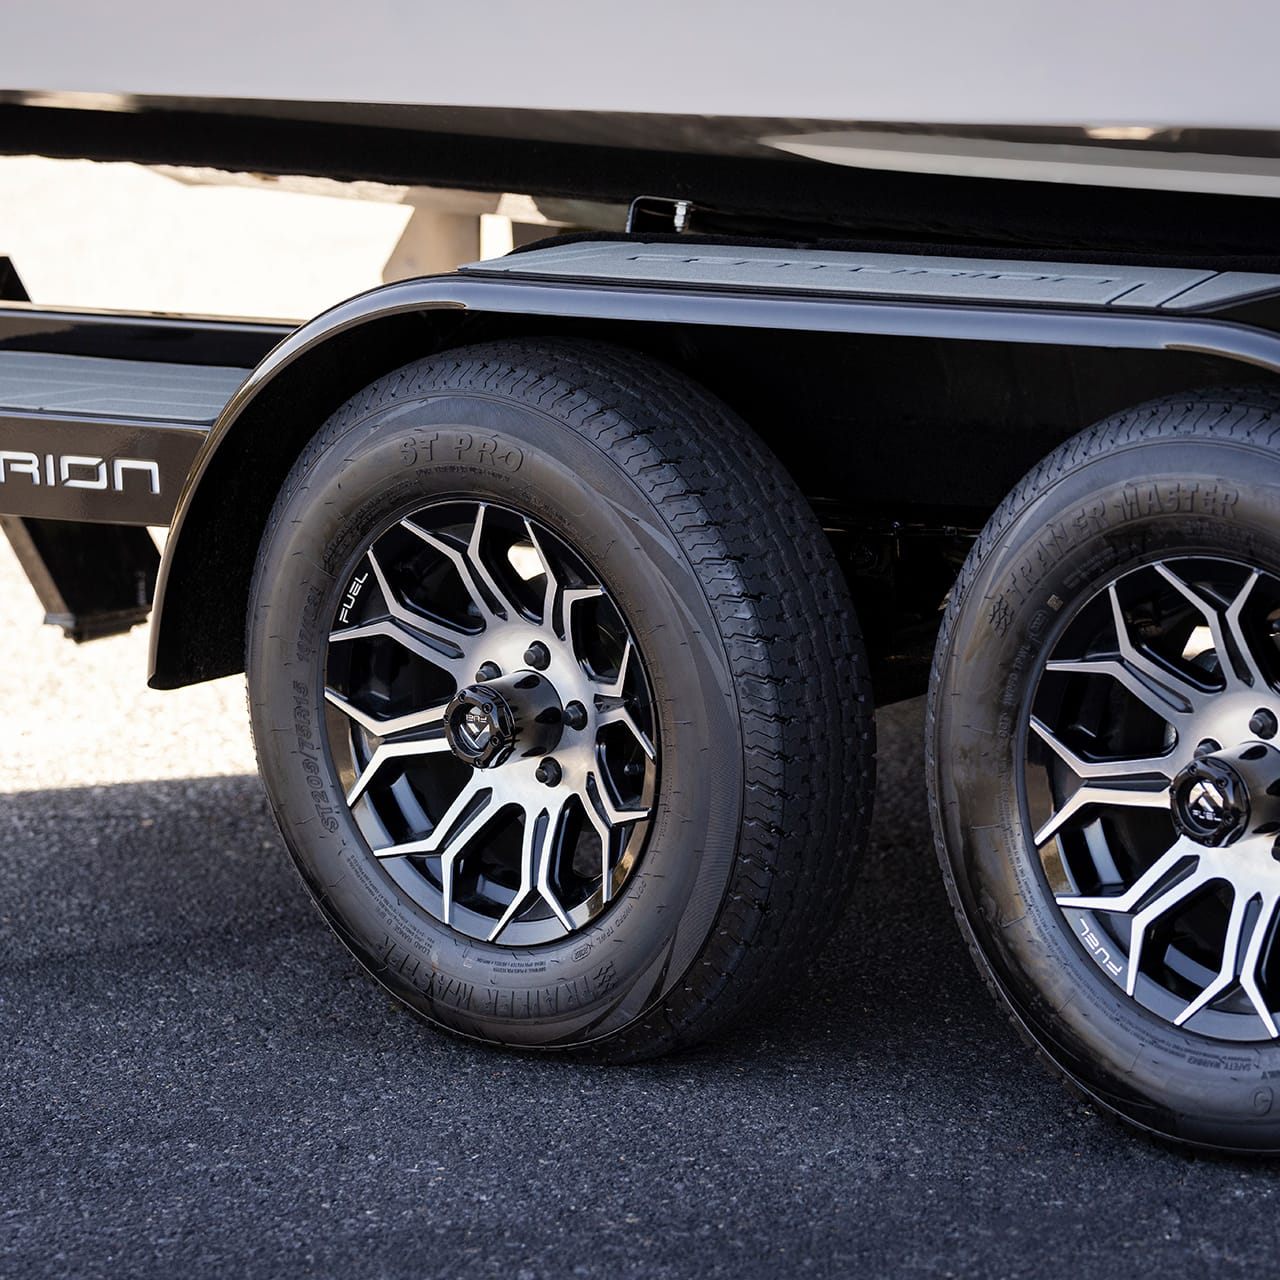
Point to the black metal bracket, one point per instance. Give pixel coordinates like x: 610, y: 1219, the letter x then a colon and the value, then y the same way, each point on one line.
x: 659, y: 215
x: 11, y: 287
x: 92, y: 580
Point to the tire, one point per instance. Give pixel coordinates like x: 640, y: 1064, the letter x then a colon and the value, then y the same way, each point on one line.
x: 626, y: 808
x: 1101, y: 762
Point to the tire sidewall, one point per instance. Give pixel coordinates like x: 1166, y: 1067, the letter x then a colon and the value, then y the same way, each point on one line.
x: 467, y: 444
x: 1094, y: 523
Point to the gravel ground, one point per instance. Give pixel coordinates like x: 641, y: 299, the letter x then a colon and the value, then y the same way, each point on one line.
x: 197, y: 1081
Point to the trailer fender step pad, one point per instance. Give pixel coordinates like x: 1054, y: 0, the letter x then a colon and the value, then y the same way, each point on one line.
x: 838, y: 273
x: 106, y: 440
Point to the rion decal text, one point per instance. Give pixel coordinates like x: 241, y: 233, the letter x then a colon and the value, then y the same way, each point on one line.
x: 79, y: 471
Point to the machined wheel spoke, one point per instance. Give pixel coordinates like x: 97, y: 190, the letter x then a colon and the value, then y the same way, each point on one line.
x: 1142, y: 782
x: 1161, y: 698
x: 446, y: 641
x: 1151, y: 879
x: 1162, y: 905
x: 571, y: 597
x: 610, y: 822
x: 1127, y: 793
x: 1228, y: 972
x: 598, y: 797
x: 1236, y: 659
x: 1173, y: 691
x: 490, y: 601
x: 1115, y: 771
x: 613, y: 688
x: 606, y: 831
x: 455, y: 829
x: 1262, y: 928
x: 621, y: 714
x: 411, y: 722
x: 539, y: 849
x: 385, y: 751
x: 456, y: 824
x: 436, y: 650
x: 552, y: 587
x: 1169, y: 892
x: 1208, y: 611
x: 1242, y: 655
x: 450, y: 836
x: 476, y: 560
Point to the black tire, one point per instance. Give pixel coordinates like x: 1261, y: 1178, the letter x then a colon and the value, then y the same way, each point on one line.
x: 759, y: 695
x: 1153, y: 521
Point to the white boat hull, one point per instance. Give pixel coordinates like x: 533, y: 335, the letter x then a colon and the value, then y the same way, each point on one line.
x: 1182, y: 64
x: 827, y: 115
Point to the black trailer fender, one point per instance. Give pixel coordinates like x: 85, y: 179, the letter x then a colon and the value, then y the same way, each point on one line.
x: 202, y: 587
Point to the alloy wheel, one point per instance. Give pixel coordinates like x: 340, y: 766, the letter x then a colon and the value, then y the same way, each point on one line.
x: 492, y: 722
x: 1152, y: 788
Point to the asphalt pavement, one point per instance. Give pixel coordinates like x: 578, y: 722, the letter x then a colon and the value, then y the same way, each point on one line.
x: 195, y: 1079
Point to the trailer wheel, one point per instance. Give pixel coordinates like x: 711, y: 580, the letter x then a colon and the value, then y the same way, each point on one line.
x: 1104, y: 763
x: 559, y: 699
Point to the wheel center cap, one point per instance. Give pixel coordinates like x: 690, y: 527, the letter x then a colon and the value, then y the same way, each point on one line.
x: 480, y: 726
x: 486, y: 724
x: 1211, y: 801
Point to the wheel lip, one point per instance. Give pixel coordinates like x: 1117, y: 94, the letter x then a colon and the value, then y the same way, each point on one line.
x: 399, y: 871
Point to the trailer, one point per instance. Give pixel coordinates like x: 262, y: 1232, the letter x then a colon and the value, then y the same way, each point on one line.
x: 565, y: 584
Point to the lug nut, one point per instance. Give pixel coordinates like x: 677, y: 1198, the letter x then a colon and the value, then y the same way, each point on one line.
x: 1207, y: 747
x: 1263, y: 724
x: 549, y: 772
x: 538, y: 656
x: 575, y: 715
x: 488, y: 671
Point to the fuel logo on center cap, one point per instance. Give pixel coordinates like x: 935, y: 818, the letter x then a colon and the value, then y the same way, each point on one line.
x: 474, y: 731
x: 1210, y: 802
x: 1205, y: 803
x: 479, y: 726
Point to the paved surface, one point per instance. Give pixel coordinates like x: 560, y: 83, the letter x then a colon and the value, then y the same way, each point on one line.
x: 196, y: 1081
